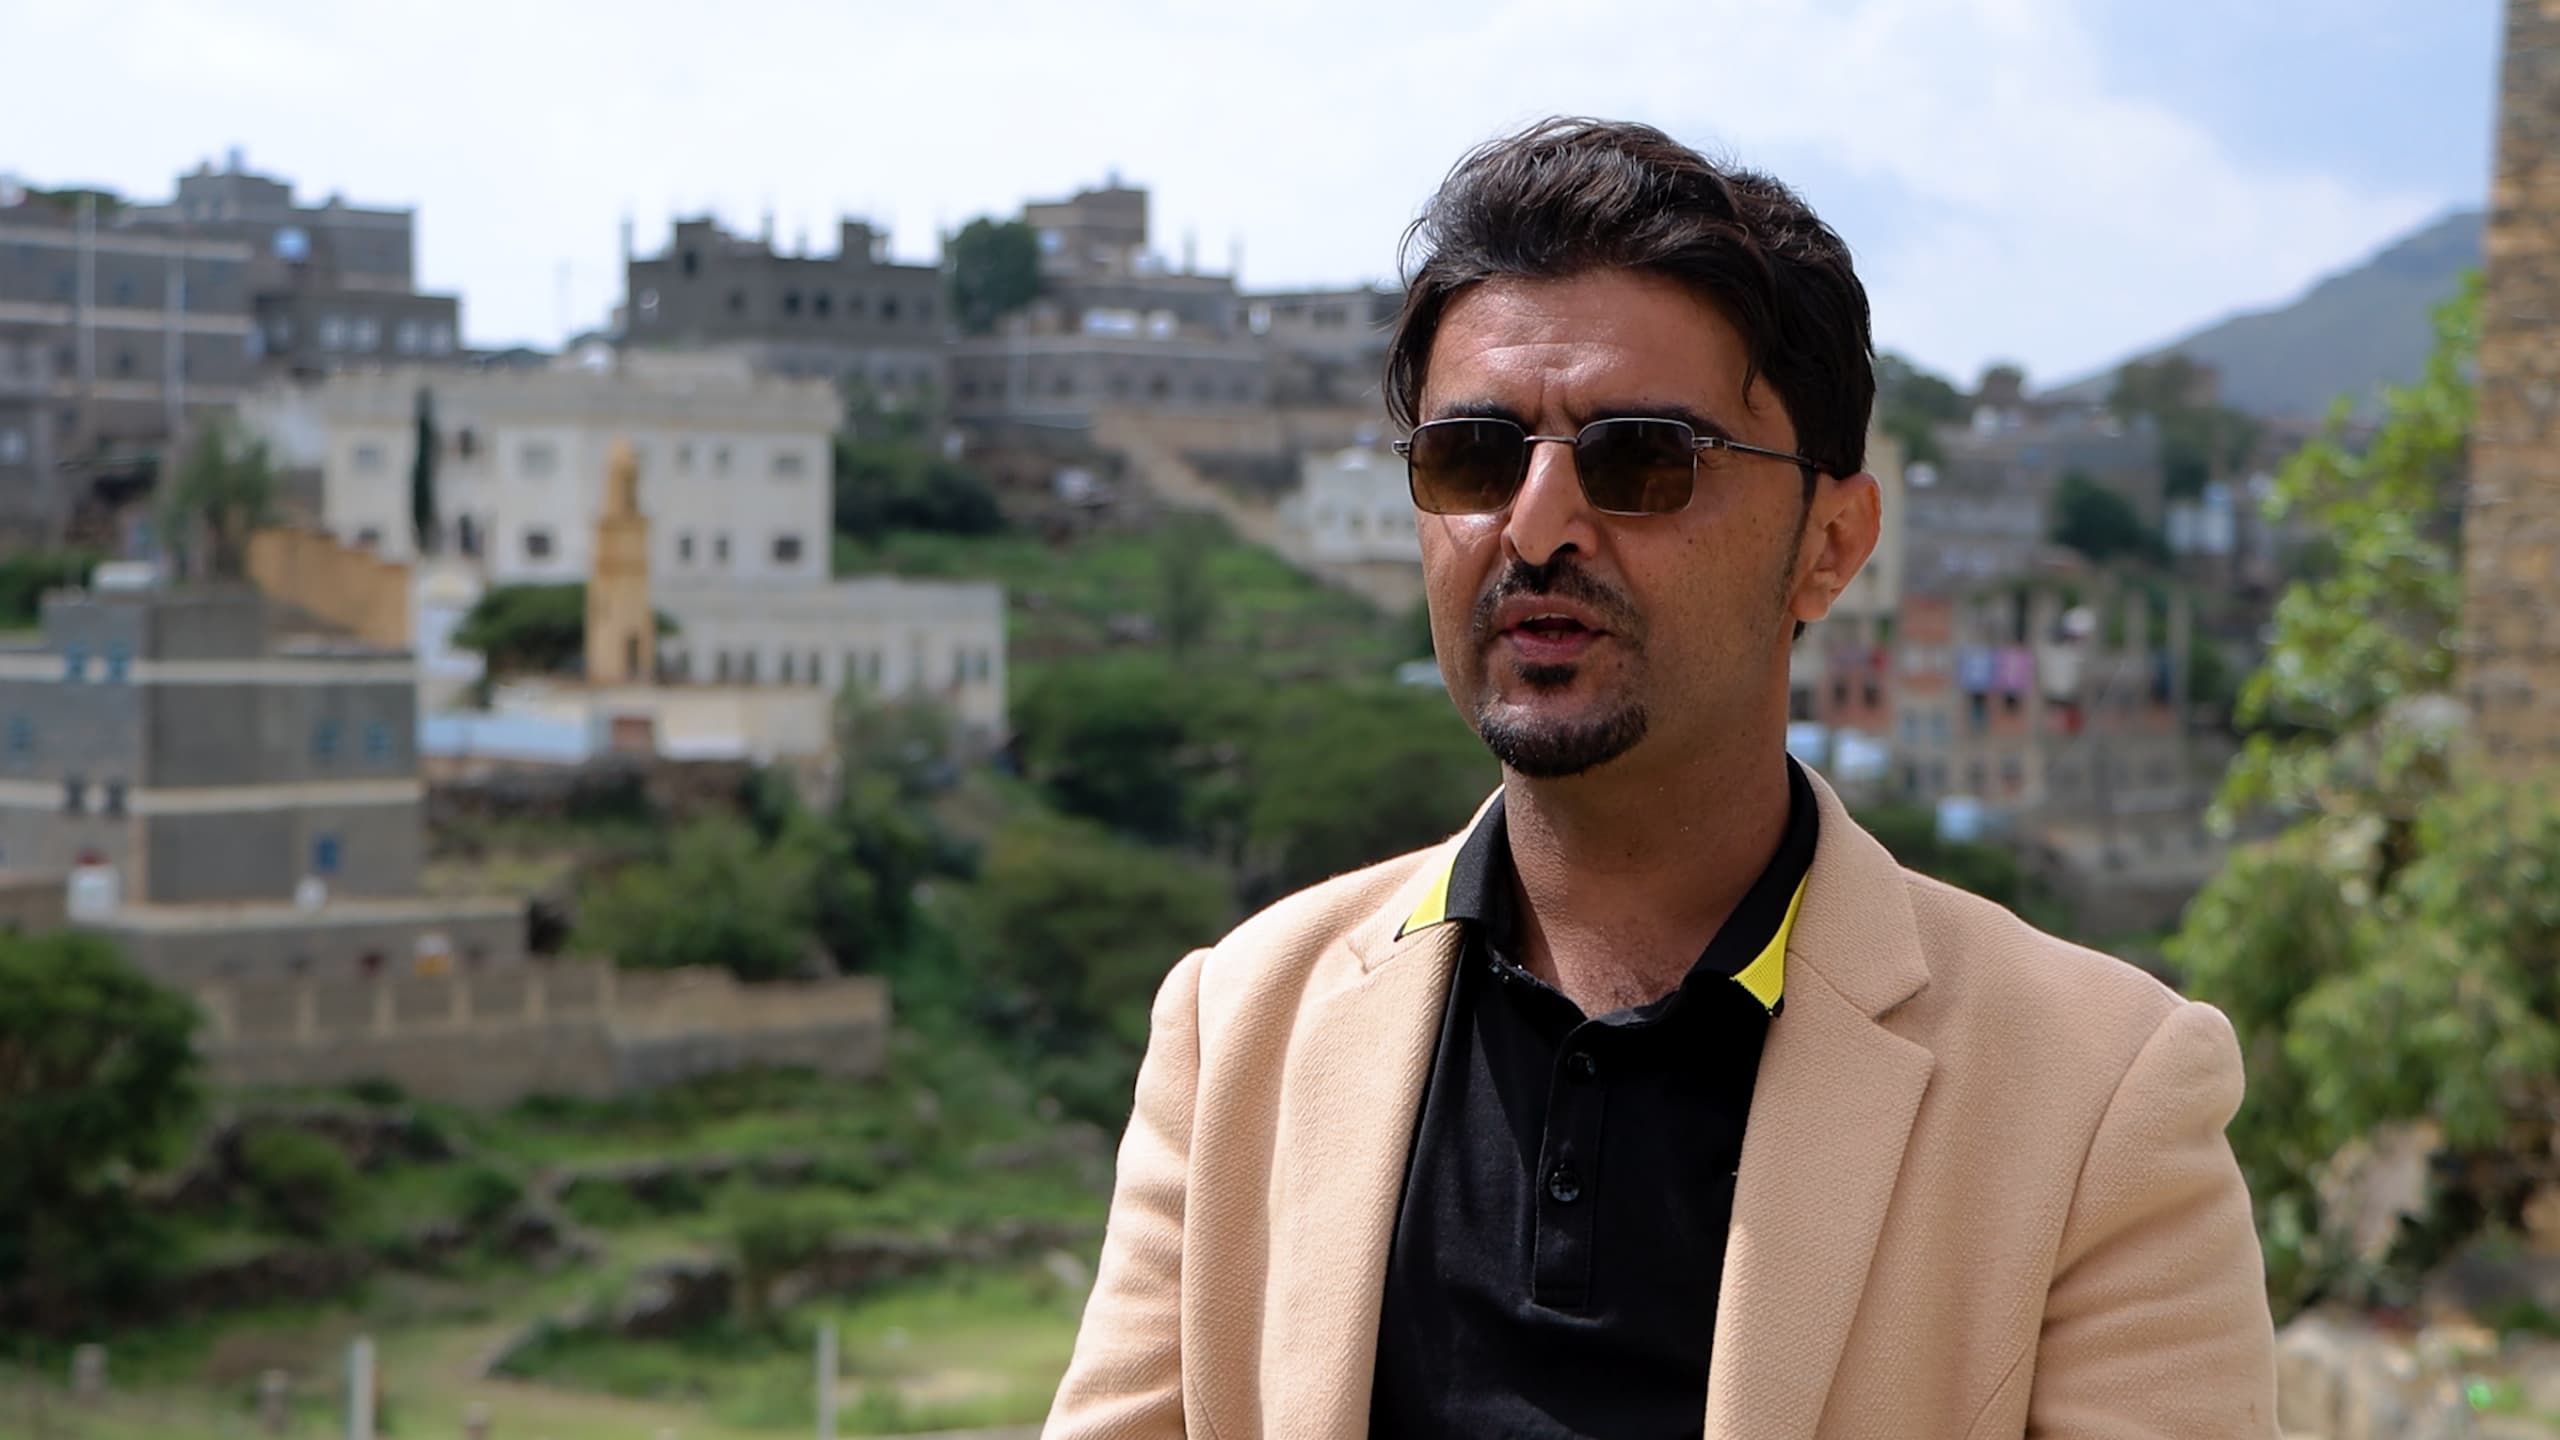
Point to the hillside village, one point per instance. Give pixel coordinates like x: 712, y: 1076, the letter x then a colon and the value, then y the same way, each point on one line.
x: 614, y: 868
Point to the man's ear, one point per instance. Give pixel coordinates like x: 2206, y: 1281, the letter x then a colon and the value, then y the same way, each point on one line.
x: 1841, y: 525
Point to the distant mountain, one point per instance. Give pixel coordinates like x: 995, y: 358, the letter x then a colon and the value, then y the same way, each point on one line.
x: 2347, y: 335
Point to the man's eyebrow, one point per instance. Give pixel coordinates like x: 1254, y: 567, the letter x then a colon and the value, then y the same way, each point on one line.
x: 1478, y: 410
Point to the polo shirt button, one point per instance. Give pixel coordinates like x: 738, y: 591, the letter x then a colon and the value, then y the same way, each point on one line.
x: 1564, y: 1187
x: 1582, y: 1066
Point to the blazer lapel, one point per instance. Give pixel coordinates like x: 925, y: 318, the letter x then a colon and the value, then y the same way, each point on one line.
x: 1830, y: 1114
x: 1350, y: 1095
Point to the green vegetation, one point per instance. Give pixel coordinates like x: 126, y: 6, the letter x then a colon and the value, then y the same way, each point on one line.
x: 2393, y: 954
x: 532, y: 629
x: 97, y: 1080
x: 1911, y: 403
x: 720, y: 898
x: 995, y: 270
x: 890, y: 484
x: 2199, y: 441
x: 2103, y: 525
x: 224, y: 491
x: 26, y: 576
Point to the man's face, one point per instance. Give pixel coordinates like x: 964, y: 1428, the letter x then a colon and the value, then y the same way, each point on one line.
x: 1572, y: 637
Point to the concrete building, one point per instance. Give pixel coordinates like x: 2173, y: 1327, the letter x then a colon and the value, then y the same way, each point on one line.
x: 734, y: 467
x: 1838, y: 676
x: 33, y: 503
x: 332, y: 285
x: 1327, y: 347
x: 1988, y: 512
x: 143, y: 330
x: 1353, y: 505
x: 892, y: 638
x: 1115, y: 326
x: 227, y: 805
x: 855, y: 315
x: 2511, y: 533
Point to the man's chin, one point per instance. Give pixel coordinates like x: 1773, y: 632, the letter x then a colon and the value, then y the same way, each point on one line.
x: 1545, y: 740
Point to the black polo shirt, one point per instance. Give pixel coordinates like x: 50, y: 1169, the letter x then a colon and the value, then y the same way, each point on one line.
x: 1562, y: 1234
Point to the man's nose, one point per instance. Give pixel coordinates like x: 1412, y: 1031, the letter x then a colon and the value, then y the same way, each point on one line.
x: 1550, y: 514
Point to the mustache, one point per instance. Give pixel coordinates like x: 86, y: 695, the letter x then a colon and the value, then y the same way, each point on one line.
x: 1562, y: 578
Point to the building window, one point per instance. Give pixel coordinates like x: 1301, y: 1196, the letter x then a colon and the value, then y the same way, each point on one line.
x: 537, y: 544
x: 684, y: 548
x: 720, y: 549
x: 538, y: 459
x: 786, y: 549
x: 684, y: 458
x: 439, y: 339
x: 22, y: 737
x: 124, y: 362
x: 747, y: 668
x: 720, y: 667
x: 369, y: 538
x: 112, y: 798
x: 888, y: 307
x: 789, y: 465
x: 466, y: 443
x: 407, y: 337
x: 75, y: 662
x: 690, y: 264
x: 791, y: 302
x: 822, y: 305
x: 720, y: 460
x: 368, y: 460
x: 737, y: 302
x: 13, y: 446
x: 75, y: 795
x: 790, y: 667
x: 326, y: 856
x: 377, y: 741
x: 324, y: 740
x: 364, y: 335
x: 119, y: 663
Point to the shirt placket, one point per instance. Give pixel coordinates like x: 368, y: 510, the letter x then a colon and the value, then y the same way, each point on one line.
x: 1568, y: 1171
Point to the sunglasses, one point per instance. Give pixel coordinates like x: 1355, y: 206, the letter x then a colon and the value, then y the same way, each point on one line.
x: 1627, y: 467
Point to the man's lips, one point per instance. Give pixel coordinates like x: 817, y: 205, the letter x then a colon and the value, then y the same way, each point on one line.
x: 1544, y: 632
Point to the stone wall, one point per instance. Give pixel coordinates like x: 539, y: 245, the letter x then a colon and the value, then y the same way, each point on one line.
x: 2511, y: 634
x: 354, y: 590
x: 576, y: 1028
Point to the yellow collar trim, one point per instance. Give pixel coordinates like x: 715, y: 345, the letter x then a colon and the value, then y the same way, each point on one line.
x: 1765, y: 977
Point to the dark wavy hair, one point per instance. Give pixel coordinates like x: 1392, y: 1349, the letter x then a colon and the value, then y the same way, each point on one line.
x: 1566, y: 197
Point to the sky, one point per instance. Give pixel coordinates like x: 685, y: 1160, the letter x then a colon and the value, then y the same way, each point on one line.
x: 2051, y: 182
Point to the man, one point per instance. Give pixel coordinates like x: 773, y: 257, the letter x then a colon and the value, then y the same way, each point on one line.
x: 1661, y: 1097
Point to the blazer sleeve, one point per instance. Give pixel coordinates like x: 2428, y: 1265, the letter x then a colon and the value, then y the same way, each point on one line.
x: 2156, y: 1325
x: 1125, y: 1379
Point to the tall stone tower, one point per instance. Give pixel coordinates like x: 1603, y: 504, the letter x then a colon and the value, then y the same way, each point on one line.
x: 2511, y: 530
x: 622, y: 631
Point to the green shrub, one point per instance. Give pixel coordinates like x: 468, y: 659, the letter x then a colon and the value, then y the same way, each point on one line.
x: 487, y: 1193
x: 377, y: 1090
x: 302, y: 1182
x: 773, y: 1234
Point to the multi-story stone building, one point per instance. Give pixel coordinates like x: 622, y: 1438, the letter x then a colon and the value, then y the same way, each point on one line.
x: 226, y: 804
x: 1115, y: 327
x: 1327, y: 347
x: 855, y: 316
x: 1988, y: 512
x: 141, y: 330
x: 333, y: 285
x: 32, y: 502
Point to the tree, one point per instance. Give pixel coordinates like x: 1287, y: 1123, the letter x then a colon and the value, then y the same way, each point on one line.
x: 26, y: 576
x: 887, y: 485
x: 98, y: 1076
x: 2390, y: 955
x: 1911, y: 403
x: 532, y: 629
x: 2103, y: 525
x: 2199, y: 440
x: 1111, y: 741
x: 1345, y: 776
x: 1186, y: 599
x: 995, y: 270
x: 1070, y: 930
x: 225, y: 491
x: 718, y: 900
x: 422, y: 476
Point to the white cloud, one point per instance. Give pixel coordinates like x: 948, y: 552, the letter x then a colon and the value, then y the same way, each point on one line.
x: 2009, y: 205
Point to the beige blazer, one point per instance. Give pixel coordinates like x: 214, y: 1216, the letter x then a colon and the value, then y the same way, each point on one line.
x: 1984, y: 1188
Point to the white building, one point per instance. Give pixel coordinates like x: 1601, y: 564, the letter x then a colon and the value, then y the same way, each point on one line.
x: 1353, y: 507
x: 733, y: 468
x: 892, y: 638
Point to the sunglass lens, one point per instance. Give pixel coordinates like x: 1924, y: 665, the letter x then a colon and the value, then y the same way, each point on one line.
x: 1465, y: 467
x: 1636, y: 467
